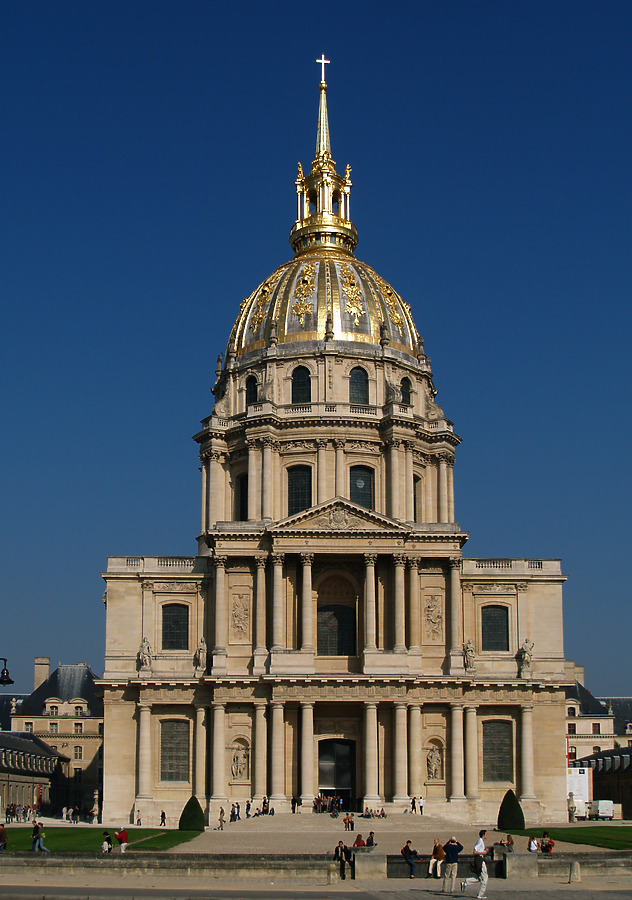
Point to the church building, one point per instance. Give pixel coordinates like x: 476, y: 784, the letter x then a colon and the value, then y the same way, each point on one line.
x: 329, y: 637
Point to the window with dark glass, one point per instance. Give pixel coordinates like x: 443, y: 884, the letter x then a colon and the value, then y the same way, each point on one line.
x: 28, y: 727
x: 361, y: 487
x: 571, y: 711
x: 251, y: 390
x: 359, y: 386
x: 241, y: 498
x: 596, y: 750
x: 596, y: 728
x: 572, y: 728
x: 572, y: 752
x: 495, y: 628
x: 417, y: 501
x: 301, y: 386
x: 336, y: 630
x: 299, y: 489
x: 175, y: 626
x: 405, y: 389
x: 78, y: 727
x: 497, y: 751
x: 174, y: 751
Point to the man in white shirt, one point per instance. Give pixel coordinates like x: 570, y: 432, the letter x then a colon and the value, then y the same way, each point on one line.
x: 481, y: 878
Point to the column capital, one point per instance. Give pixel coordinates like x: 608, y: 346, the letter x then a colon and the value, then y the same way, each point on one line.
x: 321, y: 444
x: 307, y: 559
x: 218, y: 704
x: 455, y: 562
x: 370, y: 559
x: 276, y: 704
x: 400, y: 559
x: 261, y: 561
x: 340, y: 443
x: 415, y: 704
x: 527, y: 708
x: 267, y: 443
x: 400, y: 704
x: 412, y: 562
x: 143, y: 705
x: 307, y: 704
x: 278, y: 559
x: 370, y: 704
x: 220, y: 561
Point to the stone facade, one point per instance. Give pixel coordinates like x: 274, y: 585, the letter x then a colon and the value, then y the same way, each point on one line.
x: 329, y: 637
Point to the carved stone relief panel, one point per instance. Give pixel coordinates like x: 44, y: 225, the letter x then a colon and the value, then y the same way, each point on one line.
x: 240, y: 615
x: 433, y: 618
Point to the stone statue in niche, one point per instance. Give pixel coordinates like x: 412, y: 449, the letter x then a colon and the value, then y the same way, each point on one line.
x: 144, y: 654
x: 469, y: 658
x: 525, y: 658
x: 433, y: 762
x: 239, y: 765
x: 199, y: 658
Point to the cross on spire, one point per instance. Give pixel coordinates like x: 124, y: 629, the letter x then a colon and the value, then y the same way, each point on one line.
x: 323, y: 62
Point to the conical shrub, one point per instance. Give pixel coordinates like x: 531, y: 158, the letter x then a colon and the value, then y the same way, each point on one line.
x: 510, y: 814
x: 192, y: 817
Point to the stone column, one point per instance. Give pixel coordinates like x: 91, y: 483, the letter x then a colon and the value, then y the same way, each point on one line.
x: 220, y: 608
x: 400, y: 604
x: 409, y: 491
x: 260, y: 764
x: 400, y: 769
x: 456, y: 636
x: 278, y: 752
x: 204, y: 518
x: 278, y: 617
x: 200, y: 755
x: 451, y: 490
x: 369, y: 577
x: 216, y: 489
x: 253, y: 481
x: 260, y: 606
x: 306, y: 604
x: 321, y: 475
x: 471, y: 753
x: 415, y: 777
x: 456, y: 752
x: 394, y: 489
x: 144, y: 750
x: 218, y: 763
x: 430, y: 480
x: 415, y: 609
x: 307, y: 753
x: 526, y: 754
x: 443, y: 489
x: 266, y: 478
x: 341, y: 487
x: 370, y: 753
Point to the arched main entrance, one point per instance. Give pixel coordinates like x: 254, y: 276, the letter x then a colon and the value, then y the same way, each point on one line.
x: 336, y: 770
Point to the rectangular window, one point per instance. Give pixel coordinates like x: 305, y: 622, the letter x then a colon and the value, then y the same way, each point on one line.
x: 77, y: 776
x: 52, y: 727
x: 572, y: 728
x: 596, y: 728
x: 495, y: 628
x: 54, y: 710
x: 299, y: 489
x: 175, y: 626
x: 28, y: 726
x: 78, y: 752
x: 78, y: 727
x: 498, y: 751
x: 174, y: 751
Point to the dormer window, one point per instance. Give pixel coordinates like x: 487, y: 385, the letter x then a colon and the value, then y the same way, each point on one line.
x: 79, y: 710
x: 53, y: 710
x: 571, y: 711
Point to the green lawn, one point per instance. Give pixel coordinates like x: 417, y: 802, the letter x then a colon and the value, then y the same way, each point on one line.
x: 88, y: 840
x: 613, y: 837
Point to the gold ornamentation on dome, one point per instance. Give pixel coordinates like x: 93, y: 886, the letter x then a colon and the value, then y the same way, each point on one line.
x: 305, y: 287
x: 352, y: 291
x: 262, y: 301
x: 391, y: 304
x: 299, y: 176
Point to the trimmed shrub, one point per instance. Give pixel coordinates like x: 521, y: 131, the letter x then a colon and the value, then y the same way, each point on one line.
x: 510, y: 814
x: 192, y: 817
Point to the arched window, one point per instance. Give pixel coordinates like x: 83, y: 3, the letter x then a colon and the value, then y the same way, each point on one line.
x: 174, y: 751
x: 417, y: 499
x: 495, y: 628
x: 405, y: 389
x: 359, y: 386
x: 361, y: 487
x: 335, y: 203
x: 241, y: 498
x: 572, y: 752
x: 175, y: 626
x: 251, y: 390
x: 336, y: 630
x: 497, y: 751
x: 312, y: 199
x: 299, y: 489
x: 301, y: 386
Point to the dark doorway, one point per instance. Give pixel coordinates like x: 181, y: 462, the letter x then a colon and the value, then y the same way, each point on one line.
x: 336, y: 771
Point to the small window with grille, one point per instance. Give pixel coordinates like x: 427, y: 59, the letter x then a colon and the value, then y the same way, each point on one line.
x: 359, y: 386
x: 174, y: 751
x: 495, y: 628
x: 361, y: 487
x: 301, y: 386
x: 336, y: 630
x: 175, y: 626
x: 299, y: 489
x: 497, y: 751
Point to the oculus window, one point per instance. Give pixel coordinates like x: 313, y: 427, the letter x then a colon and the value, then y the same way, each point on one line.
x: 495, y: 628
x: 175, y: 626
x: 336, y: 630
x: 497, y: 751
x: 299, y: 489
x: 359, y: 386
x: 361, y: 486
x: 174, y: 751
x: 301, y: 386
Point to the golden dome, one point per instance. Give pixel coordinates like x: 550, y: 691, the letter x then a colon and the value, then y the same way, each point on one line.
x: 324, y: 293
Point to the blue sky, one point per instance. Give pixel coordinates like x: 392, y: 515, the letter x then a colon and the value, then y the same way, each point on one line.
x: 149, y: 151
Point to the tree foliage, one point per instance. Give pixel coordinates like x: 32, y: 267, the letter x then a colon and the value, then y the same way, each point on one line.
x: 510, y: 814
x: 192, y: 817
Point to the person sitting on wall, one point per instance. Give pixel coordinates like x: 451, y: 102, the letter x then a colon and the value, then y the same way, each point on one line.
x: 359, y: 842
x: 342, y: 854
x: 411, y: 856
x: 546, y: 844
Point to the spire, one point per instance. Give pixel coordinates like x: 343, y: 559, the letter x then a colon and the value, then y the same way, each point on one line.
x: 323, y: 147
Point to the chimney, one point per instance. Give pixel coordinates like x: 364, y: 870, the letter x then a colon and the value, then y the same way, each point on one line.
x: 42, y: 670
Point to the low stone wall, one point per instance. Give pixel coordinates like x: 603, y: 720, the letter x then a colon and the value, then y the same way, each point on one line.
x: 397, y: 867
x: 615, y: 863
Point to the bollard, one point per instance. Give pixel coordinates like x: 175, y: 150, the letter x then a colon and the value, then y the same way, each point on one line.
x: 575, y: 874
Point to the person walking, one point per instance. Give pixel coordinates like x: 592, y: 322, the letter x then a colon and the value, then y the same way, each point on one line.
x: 451, y: 851
x: 413, y: 805
x: 411, y: 856
x: 221, y: 819
x: 480, y: 867
x: 421, y: 806
x: 122, y: 838
x: 163, y: 818
x: 3, y: 837
x: 106, y: 845
x: 436, y: 860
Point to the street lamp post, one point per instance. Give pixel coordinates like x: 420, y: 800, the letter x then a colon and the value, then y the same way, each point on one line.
x: 5, y: 678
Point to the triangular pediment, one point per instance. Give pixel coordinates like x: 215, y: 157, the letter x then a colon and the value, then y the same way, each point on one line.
x: 338, y: 515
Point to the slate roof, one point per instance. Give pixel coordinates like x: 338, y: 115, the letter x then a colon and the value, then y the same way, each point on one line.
x: 588, y: 705
x: 65, y: 683
x: 605, y: 760
x: 622, y: 708
x: 27, y: 743
x: 5, y: 709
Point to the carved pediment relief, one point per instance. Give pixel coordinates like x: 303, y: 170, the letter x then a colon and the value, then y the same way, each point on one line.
x: 339, y: 515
